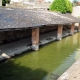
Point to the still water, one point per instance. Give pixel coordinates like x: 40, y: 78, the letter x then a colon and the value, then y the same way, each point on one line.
x: 46, y: 64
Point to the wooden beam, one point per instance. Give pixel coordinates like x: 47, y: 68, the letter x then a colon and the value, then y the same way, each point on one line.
x: 59, y: 32
x: 35, y: 39
x: 72, y: 28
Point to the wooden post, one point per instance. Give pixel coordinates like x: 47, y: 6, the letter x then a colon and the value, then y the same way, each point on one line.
x: 72, y: 28
x: 59, y: 33
x: 35, y: 39
x: 79, y: 27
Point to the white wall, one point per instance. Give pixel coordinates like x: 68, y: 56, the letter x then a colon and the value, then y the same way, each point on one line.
x: 76, y: 11
x: 0, y: 2
x: 32, y: 2
x: 15, y: 1
x: 53, y: 0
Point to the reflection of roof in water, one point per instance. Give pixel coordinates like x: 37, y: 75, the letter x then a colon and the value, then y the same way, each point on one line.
x: 23, y: 18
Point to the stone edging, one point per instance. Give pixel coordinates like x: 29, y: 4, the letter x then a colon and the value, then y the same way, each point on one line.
x: 66, y: 75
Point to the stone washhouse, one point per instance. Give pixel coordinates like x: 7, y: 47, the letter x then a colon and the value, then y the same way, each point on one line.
x: 20, y: 19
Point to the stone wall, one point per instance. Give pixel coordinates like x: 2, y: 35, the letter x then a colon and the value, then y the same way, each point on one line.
x: 9, y: 36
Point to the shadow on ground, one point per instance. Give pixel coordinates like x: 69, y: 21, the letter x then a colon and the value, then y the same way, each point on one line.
x: 13, y: 71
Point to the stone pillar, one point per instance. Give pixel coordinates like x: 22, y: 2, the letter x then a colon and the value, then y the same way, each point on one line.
x: 35, y: 39
x: 0, y: 2
x: 79, y: 27
x: 72, y: 29
x: 59, y: 33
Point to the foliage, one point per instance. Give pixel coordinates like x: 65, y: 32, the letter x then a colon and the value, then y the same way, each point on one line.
x: 5, y: 1
x: 62, y: 6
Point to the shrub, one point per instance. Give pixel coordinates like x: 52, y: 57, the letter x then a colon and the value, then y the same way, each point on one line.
x: 5, y: 1
x: 62, y: 6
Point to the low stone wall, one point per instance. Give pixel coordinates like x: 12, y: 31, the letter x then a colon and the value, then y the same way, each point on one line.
x: 71, y: 72
x: 45, y: 29
x: 9, y: 36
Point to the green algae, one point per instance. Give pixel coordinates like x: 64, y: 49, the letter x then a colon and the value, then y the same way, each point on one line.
x: 46, y: 64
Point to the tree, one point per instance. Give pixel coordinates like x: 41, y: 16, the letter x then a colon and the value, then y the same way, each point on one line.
x: 63, y: 6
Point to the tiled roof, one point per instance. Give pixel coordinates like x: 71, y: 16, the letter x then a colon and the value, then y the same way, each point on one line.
x: 23, y: 18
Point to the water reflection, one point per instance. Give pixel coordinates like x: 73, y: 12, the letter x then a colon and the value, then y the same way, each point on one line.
x: 77, y: 54
x: 61, y: 68
x: 50, y: 61
x: 72, y: 42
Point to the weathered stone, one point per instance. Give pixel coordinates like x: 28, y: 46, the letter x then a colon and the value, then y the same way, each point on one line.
x: 23, y: 18
x: 35, y: 47
x: 48, y: 28
x: 9, y: 36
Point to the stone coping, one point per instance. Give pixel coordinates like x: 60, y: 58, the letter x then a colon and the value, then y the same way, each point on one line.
x: 69, y: 73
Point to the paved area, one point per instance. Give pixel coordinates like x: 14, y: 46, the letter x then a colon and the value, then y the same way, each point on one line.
x: 73, y: 73
x: 76, y: 75
x: 13, y: 48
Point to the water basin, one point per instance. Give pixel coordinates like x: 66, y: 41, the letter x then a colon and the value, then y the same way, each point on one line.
x: 46, y: 64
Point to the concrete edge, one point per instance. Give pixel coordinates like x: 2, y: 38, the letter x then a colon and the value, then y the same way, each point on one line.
x: 15, y: 53
x: 67, y: 74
